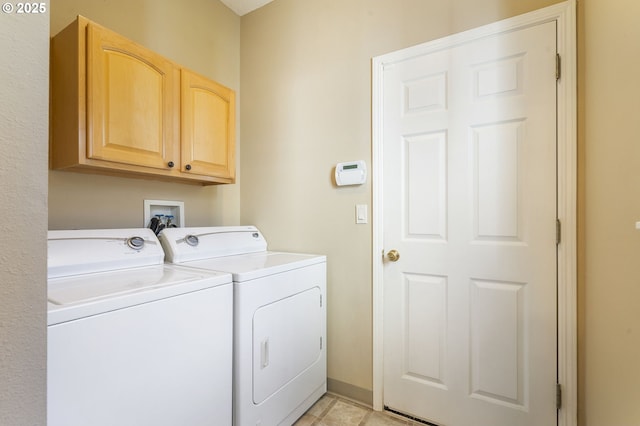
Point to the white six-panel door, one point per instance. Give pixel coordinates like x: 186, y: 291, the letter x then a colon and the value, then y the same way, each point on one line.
x: 469, y: 150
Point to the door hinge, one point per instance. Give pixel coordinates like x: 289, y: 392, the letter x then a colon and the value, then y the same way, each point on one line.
x: 320, y: 342
x: 321, y: 301
x: 558, y: 231
x: 558, y: 67
x: 558, y: 396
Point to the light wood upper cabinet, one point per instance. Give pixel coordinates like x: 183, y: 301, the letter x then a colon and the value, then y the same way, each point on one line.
x: 131, y: 102
x: 208, y: 126
x: 119, y: 108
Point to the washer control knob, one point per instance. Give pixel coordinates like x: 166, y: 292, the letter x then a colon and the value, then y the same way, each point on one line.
x: 136, y: 243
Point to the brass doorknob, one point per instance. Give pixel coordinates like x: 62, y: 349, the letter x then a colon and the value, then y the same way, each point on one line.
x: 393, y: 255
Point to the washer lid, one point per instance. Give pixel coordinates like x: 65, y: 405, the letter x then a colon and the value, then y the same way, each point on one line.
x: 186, y: 244
x: 257, y: 265
x: 90, y: 294
x: 86, y: 251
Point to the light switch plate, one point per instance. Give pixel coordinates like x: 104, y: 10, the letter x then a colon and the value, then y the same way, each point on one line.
x: 362, y: 215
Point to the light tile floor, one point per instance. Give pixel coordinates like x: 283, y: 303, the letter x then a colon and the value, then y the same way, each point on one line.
x: 332, y: 410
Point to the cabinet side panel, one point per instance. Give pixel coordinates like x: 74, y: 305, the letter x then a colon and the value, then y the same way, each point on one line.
x: 68, y: 120
x: 231, y: 142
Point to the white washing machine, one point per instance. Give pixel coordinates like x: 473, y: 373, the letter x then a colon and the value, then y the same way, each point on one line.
x: 133, y: 341
x: 280, y: 366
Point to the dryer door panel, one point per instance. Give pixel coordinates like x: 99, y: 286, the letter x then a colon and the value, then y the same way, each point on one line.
x: 287, y: 339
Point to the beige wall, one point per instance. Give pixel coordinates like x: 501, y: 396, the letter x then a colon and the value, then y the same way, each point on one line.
x: 24, y: 88
x: 610, y: 287
x: 203, y: 35
x: 306, y: 105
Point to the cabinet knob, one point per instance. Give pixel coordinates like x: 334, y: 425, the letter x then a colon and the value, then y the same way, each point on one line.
x: 188, y: 167
x: 170, y: 164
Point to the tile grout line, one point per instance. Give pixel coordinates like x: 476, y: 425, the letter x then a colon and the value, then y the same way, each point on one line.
x: 328, y: 408
x: 369, y: 416
x: 365, y: 419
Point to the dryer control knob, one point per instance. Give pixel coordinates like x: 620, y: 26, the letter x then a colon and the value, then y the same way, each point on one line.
x: 192, y: 240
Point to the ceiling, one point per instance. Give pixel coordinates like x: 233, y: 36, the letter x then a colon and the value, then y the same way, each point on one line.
x: 242, y: 7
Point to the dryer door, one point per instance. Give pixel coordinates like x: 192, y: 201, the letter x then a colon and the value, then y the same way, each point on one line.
x: 287, y: 339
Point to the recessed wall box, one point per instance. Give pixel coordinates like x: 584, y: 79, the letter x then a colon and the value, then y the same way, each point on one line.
x: 164, y: 209
x: 351, y: 173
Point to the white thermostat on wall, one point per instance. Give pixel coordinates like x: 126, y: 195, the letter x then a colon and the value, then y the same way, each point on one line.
x: 351, y: 173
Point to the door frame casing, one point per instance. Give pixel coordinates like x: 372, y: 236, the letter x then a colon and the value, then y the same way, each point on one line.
x: 564, y: 14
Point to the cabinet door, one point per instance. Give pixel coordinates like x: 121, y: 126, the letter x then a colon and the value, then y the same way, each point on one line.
x: 132, y: 102
x: 207, y: 127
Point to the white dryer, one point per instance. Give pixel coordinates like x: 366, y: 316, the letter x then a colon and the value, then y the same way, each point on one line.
x: 279, y: 319
x: 133, y: 341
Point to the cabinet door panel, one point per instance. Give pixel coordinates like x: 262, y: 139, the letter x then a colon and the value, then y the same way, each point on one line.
x: 132, y: 102
x: 208, y: 127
